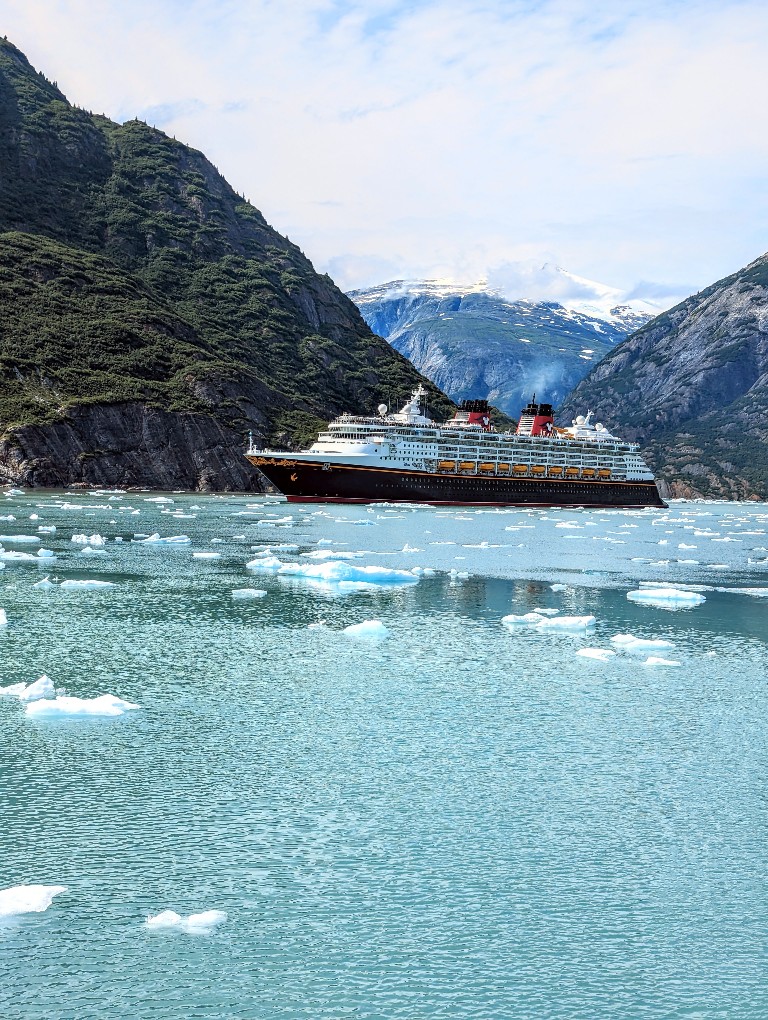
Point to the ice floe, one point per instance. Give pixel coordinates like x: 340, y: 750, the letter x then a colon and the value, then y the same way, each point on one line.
x: 373, y: 630
x: 333, y: 571
x: 248, y: 593
x: 655, y: 660
x: 203, y: 923
x: 42, y: 688
x: 28, y: 899
x: 94, y: 540
x: 666, y: 598
x: 630, y: 643
x: 65, y: 705
x: 551, y: 623
x: 20, y: 539
x: 206, y: 555
x: 86, y: 584
x: 45, y: 584
x: 157, y: 540
x: 601, y: 654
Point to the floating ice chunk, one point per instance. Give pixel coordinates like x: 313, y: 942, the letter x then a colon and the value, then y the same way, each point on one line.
x: 9, y: 517
x: 13, y: 690
x: 46, y: 584
x: 373, y: 630
x: 34, y: 517
x: 682, y: 545
x: 19, y: 539
x: 15, y: 492
x: 718, y: 566
x: 28, y: 899
x: 601, y: 654
x: 248, y: 593
x: 569, y: 524
x: 63, y: 705
x: 567, y: 623
x: 42, y: 688
x: 11, y: 556
x: 94, y: 540
x: 269, y: 564
x: 206, y: 555
x: 159, y: 499
x: 170, y: 540
x: 331, y: 554
x: 630, y: 643
x: 47, y: 554
x: 333, y: 571
x: 547, y: 612
x: 558, y: 587
x: 410, y: 548
x: 203, y: 923
x: 3, y: 618
x: 86, y: 585
x: 667, y: 598
x: 527, y: 620
x: 318, y: 625
x: 88, y: 550
x: 655, y: 660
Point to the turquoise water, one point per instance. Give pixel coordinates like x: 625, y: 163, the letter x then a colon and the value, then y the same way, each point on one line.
x: 463, y: 820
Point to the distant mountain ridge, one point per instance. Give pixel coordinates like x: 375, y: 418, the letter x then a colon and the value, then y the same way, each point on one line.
x: 474, y: 343
x: 151, y: 317
x: 692, y: 386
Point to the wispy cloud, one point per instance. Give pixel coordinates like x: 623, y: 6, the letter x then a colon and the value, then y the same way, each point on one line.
x: 618, y: 140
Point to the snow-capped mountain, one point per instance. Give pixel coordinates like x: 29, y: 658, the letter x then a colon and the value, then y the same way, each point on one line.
x: 474, y: 342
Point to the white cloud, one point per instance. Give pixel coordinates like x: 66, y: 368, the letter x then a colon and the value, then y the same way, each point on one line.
x: 449, y: 137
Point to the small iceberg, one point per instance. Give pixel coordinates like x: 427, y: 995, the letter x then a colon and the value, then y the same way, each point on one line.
x: 567, y: 623
x: 206, y: 556
x: 20, y: 539
x: 558, y: 587
x: 157, y: 540
x: 28, y: 899
x: 93, y: 540
x: 86, y: 585
x: 3, y: 618
x: 47, y: 530
x: 42, y: 688
x: 11, y: 556
x: 601, y: 654
x: 630, y: 643
x: 370, y: 630
x: 666, y: 598
x: 203, y: 923
x: 248, y: 593
x: 64, y: 705
x: 655, y: 660
x: 46, y: 584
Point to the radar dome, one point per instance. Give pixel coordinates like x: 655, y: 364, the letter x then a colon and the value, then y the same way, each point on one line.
x: 580, y: 419
x: 599, y: 427
x: 382, y: 409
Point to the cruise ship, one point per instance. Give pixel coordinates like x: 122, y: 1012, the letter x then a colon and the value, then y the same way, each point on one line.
x: 406, y: 457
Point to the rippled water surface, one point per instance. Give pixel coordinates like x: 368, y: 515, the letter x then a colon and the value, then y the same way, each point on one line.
x: 462, y: 820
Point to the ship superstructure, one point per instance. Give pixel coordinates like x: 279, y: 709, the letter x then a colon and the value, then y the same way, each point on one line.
x: 405, y: 456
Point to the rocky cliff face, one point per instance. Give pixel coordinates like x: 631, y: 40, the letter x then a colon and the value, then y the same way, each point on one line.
x: 692, y: 386
x: 151, y: 318
x: 474, y: 343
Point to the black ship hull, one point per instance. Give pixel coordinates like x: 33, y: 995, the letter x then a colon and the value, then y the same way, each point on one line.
x: 312, y: 482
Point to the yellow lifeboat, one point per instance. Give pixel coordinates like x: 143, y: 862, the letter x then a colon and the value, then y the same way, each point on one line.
x: 503, y: 468
x: 520, y: 469
x: 555, y: 471
x: 572, y: 472
x: 446, y: 465
x: 587, y: 472
x: 467, y: 465
x: 487, y: 466
x: 538, y: 469
x: 604, y: 473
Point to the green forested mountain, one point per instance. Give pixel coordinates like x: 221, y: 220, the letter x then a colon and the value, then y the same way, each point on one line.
x: 149, y: 316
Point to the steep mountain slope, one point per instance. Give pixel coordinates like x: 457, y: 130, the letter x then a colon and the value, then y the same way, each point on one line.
x: 692, y: 385
x: 137, y: 287
x: 472, y: 342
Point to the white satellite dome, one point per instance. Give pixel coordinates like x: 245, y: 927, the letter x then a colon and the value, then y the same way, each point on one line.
x: 382, y: 409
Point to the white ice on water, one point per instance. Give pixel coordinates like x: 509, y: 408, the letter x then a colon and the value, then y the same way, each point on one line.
x: 601, y: 654
x: 3, y: 618
x: 554, y: 623
x: 45, y: 584
x: 655, y: 660
x: 42, y: 688
x: 371, y: 630
x: 203, y: 923
x: 206, y: 555
x: 20, y: 539
x: 630, y: 643
x: 95, y: 540
x: 64, y: 705
x: 248, y: 593
x: 28, y: 899
x: 333, y: 571
x: 87, y: 584
x: 668, y: 598
x: 157, y: 540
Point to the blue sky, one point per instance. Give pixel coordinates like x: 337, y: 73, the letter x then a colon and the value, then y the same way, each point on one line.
x: 623, y: 141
